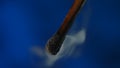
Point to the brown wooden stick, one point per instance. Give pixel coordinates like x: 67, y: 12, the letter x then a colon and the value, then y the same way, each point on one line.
x: 68, y: 21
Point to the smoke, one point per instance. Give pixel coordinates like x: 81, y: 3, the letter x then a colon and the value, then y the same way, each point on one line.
x: 69, y: 45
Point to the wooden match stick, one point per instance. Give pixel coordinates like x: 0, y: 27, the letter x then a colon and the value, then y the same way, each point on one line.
x: 55, y: 42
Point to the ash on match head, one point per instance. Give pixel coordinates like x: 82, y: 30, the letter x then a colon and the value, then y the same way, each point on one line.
x: 54, y: 43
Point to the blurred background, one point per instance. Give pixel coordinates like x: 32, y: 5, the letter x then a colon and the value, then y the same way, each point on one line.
x: 28, y: 23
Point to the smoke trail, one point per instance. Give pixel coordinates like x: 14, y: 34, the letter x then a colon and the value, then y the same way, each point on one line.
x: 66, y: 50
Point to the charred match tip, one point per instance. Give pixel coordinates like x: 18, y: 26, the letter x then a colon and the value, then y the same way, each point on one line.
x: 54, y: 43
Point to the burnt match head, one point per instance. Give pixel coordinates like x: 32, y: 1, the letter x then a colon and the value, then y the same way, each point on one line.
x: 54, y: 44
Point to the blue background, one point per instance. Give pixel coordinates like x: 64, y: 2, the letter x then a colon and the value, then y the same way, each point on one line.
x: 25, y: 23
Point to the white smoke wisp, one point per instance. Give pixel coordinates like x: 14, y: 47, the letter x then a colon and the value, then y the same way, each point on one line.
x: 69, y: 45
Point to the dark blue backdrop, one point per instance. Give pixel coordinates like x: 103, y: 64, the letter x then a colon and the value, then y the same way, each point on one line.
x: 24, y: 23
